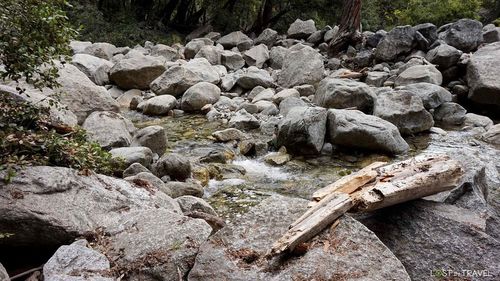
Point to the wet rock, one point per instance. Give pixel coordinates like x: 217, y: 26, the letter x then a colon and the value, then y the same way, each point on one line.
x: 243, y: 120
x: 254, y: 77
x: 173, y: 165
x: 287, y: 104
x: 344, y: 93
x: 352, y: 128
x: 419, y: 232
x: 136, y: 72
x: 246, y: 240
x: 200, y: 95
x: 109, y: 129
x: 76, y: 262
x: 444, y: 56
x: 232, y: 60
x: 301, y: 65
x: 236, y: 39
x: 492, y: 135
x: 81, y: 95
x: 185, y: 188
x: 300, y: 29
x: 159, y: 105
x: 483, y: 76
x: 153, y: 137
x: 134, y: 169
x: 419, y: 73
x: 399, y: 40
x: 450, y: 113
x: 195, y: 45
x: 95, y: 68
x: 190, y: 203
x: 217, y: 156
x: 302, y: 131
x: 257, y: 56
x: 465, y: 34
x: 278, y: 158
x: 139, y: 154
x: 268, y: 37
x: 432, y: 95
x: 403, y: 109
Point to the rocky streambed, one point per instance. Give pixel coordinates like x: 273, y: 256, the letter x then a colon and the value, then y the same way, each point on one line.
x: 225, y: 139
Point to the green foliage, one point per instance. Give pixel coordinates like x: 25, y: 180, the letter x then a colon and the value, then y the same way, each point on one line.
x: 437, y: 12
x: 32, y: 34
x: 27, y: 138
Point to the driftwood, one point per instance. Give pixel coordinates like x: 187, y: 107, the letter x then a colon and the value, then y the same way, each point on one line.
x: 376, y: 186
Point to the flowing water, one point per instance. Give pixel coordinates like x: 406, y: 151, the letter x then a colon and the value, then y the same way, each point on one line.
x: 234, y: 193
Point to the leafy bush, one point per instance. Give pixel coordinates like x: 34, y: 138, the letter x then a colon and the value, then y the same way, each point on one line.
x: 33, y: 33
x: 27, y: 138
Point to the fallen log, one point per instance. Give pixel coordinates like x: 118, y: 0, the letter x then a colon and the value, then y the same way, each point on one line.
x: 376, y: 186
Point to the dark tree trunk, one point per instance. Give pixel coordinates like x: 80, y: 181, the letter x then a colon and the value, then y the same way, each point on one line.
x: 349, y: 27
x: 263, y: 18
x: 168, y: 11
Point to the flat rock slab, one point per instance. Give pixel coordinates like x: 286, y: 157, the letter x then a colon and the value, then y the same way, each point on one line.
x: 348, y: 252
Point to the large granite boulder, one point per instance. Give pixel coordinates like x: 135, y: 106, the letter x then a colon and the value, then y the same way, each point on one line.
x: 403, y: 109
x: 159, y: 105
x: 300, y: 29
x: 236, y: 39
x: 465, y: 34
x: 268, y: 37
x: 344, y: 93
x: 254, y: 77
x: 95, y: 68
x: 101, y: 50
x: 483, y: 76
x: 449, y: 113
x: 199, y: 95
x: 237, y: 251
x: 257, y: 56
x: 432, y: 95
x: 136, y: 72
x: 419, y: 73
x: 46, y: 207
x: 444, y: 55
x: 194, y: 46
x: 301, y: 65
x: 109, y: 129
x: 153, y: 137
x: 398, y: 41
x: 303, y: 129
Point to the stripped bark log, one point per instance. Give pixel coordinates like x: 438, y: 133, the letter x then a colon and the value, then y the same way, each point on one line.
x: 374, y: 187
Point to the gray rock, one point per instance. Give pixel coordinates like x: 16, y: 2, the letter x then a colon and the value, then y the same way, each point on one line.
x: 153, y: 137
x: 81, y: 95
x: 169, y: 53
x: 277, y: 56
x: 268, y: 37
x: 288, y: 103
x: 344, y: 93
x: 211, y: 53
x: 126, y: 98
x: 76, y: 262
x: 78, y: 47
x: 444, y: 56
x: 138, y: 223
x: 305, y: 90
x: 159, y: 105
x: 203, y: 68
x: 477, y: 121
x: 195, y: 45
x: 247, y: 239
x: 329, y: 34
x: 175, y: 81
x: 465, y: 34
x: 374, y: 39
x: 249, y: 107
x: 185, y: 189
x: 403, y: 109
x: 419, y: 233
x: 300, y: 29
x: 109, y: 129
x: 302, y: 131
x: 316, y: 37
x: 419, y: 73
x: 254, y: 77
x: 266, y: 94
x: 3, y: 273
x: 428, y: 30
x: 173, y: 165
x: 376, y: 78
x: 450, y: 113
x: 190, y: 203
x: 286, y: 93
x: 301, y: 65
x: 243, y: 120
x: 483, y: 76
x: 432, y: 95
x: 134, y: 169
x: 130, y: 155
x: 353, y: 128
x: 257, y: 56
x: 236, y: 39
x: 95, y: 68
x: 492, y: 135
x: 150, y: 182
x: 199, y: 95
x: 101, y: 50
x: 228, y: 135
x: 398, y: 41
x: 136, y: 72
x: 491, y: 35
x: 232, y: 60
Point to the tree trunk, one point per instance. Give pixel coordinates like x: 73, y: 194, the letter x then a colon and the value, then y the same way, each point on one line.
x: 349, y: 27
